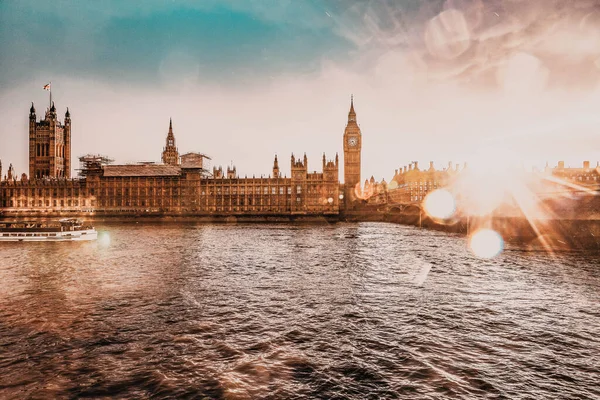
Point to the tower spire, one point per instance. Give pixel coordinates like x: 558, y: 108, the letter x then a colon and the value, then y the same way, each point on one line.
x: 352, y: 113
x: 170, y: 154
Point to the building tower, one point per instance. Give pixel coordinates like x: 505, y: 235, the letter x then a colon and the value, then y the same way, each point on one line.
x: 275, y: 168
x: 352, y: 148
x: 299, y: 174
x: 170, y: 155
x: 49, y: 145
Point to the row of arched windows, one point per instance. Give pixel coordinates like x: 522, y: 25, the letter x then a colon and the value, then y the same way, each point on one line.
x: 43, y: 150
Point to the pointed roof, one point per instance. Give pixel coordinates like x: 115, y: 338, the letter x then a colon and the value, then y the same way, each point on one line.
x: 32, y: 109
x: 170, y: 134
x: 352, y: 113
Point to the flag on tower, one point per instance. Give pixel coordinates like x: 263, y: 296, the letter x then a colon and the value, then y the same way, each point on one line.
x: 47, y: 86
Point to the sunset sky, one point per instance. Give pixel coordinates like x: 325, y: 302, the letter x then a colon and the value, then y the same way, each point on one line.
x: 495, y: 82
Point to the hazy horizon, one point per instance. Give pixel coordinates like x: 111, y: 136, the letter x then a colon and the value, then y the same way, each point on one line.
x: 499, y: 83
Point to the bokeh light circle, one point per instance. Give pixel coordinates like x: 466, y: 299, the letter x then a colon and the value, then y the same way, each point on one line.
x: 440, y: 204
x: 486, y: 243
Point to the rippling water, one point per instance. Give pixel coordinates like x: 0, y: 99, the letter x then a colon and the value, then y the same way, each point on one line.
x: 349, y: 311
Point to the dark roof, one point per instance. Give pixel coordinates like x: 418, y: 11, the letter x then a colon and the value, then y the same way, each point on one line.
x: 196, y: 154
x: 142, y: 170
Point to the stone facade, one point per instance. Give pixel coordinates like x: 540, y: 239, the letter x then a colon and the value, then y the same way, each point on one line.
x: 156, y: 188
x: 170, y: 188
x: 49, y: 145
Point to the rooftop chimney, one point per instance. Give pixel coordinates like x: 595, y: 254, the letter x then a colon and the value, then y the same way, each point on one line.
x: 586, y: 165
x: 561, y: 164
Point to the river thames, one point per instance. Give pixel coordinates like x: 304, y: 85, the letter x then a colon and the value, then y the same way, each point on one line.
x: 346, y: 311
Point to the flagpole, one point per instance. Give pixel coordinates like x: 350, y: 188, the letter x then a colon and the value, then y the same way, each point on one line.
x: 50, y: 95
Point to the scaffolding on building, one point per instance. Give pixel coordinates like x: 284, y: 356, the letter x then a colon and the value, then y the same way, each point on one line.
x: 92, y: 163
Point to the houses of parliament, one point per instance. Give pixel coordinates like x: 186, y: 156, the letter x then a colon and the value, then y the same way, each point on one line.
x: 179, y: 185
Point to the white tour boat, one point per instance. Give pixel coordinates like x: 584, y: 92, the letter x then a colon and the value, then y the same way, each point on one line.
x: 62, y: 230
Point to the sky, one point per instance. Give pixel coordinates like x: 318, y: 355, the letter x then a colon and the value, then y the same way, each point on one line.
x: 492, y: 83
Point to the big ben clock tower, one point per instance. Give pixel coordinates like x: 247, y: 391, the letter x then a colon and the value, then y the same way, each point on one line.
x: 352, y: 146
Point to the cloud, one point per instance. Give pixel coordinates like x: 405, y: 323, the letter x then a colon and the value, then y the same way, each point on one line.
x: 433, y: 80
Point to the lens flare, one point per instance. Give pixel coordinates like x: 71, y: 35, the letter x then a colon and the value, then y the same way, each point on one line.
x: 486, y: 243
x: 104, y: 239
x: 440, y: 204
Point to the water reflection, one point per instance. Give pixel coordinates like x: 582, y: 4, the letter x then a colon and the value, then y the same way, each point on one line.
x: 280, y: 311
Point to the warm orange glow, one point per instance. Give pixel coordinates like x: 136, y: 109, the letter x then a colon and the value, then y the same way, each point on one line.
x: 440, y: 204
x: 486, y: 243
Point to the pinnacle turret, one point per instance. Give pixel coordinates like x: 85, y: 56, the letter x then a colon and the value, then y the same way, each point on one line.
x: 276, y: 168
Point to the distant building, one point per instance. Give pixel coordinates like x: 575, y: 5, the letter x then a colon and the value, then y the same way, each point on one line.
x: 411, y: 185
x: 585, y: 176
x: 180, y: 185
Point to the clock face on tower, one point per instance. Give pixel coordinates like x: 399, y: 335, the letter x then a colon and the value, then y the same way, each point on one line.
x: 352, y: 141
